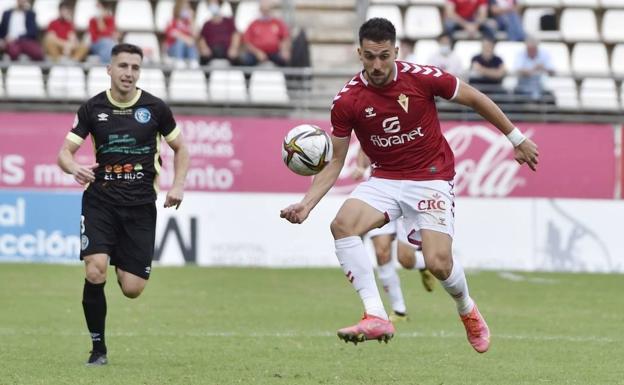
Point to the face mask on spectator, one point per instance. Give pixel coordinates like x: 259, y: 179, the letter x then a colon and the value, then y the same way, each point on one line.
x: 214, y: 9
x: 185, y: 13
x: 445, y: 49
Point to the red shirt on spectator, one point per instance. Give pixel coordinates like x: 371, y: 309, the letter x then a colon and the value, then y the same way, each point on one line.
x: 181, y: 25
x: 266, y: 34
x: 61, y: 28
x: 96, y: 33
x: 467, y: 8
x: 219, y: 34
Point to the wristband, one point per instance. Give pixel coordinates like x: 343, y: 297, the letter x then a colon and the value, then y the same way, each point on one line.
x: 516, y: 137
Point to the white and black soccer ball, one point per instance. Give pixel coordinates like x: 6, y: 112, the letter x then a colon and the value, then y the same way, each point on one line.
x: 306, y: 149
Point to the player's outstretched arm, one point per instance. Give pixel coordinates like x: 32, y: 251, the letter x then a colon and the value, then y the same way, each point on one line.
x: 82, y: 174
x: 298, y: 212
x: 180, y: 168
x: 525, y: 150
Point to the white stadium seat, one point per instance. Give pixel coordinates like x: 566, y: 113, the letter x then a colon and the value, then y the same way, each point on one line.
x: 622, y: 95
x: 6, y: 4
x: 508, y: 51
x: 559, y: 55
x: 613, y: 25
x: 188, y: 85
x: 67, y: 82
x: 422, y: 22
x: 599, y: 94
x: 152, y: 80
x: 390, y: 12
x: 46, y: 11
x: 268, y: 87
x: 580, y: 3
x: 97, y: 80
x: 24, y: 81
x: 439, y: 3
x: 590, y: 59
x: 509, y: 83
x: 202, y: 14
x: 397, y: 2
x: 163, y: 14
x: 565, y: 92
x: 540, y: 3
x: 227, y: 86
x: 134, y: 15
x: 531, y: 23
x: 466, y: 50
x: 612, y: 3
x: 83, y: 12
x: 148, y: 42
x: 579, y: 25
x: 425, y: 48
x: 246, y: 12
x: 617, y: 60
x: 1, y: 85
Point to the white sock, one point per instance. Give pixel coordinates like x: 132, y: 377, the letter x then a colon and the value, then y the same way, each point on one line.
x: 457, y: 287
x: 420, y: 260
x: 392, y: 285
x: 359, y: 271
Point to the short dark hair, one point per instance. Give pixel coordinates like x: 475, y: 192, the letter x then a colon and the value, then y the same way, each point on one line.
x: 64, y: 4
x: 125, y: 47
x: 378, y: 29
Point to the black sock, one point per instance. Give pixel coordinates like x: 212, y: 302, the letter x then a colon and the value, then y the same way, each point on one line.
x: 94, y: 306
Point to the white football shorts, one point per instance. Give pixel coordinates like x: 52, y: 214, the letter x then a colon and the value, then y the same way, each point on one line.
x: 424, y: 204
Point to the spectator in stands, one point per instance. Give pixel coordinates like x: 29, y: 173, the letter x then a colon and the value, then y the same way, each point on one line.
x: 406, y: 50
x: 180, y: 35
x: 532, y: 65
x: 103, y: 33
x: 60, y: 41
x: 445, y: 58
x: 467, y: 15
x: 508, y: 18
x: 19, y: 32
x: 267, y: 39
x: 219, y: 38
x: 488, y: 70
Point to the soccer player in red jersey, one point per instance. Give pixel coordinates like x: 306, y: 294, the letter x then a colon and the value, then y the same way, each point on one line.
x: 390, y: 105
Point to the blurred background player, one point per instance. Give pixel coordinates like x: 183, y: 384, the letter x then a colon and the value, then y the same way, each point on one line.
x: 391, y: 108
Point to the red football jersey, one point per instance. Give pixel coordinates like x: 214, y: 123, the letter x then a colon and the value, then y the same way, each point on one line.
x: 397, y: 124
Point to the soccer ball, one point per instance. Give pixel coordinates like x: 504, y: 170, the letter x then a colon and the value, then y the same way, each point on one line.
x: 306, y: 149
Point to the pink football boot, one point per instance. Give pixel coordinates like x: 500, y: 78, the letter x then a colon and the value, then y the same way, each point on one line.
x: 477, y: 330
x: 370, y: 327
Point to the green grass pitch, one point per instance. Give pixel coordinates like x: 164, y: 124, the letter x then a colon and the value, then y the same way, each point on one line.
x: 277, y: 326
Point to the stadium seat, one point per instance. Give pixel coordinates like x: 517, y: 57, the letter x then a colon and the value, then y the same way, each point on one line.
x: 590, y: 59
x: 67, y: 82
x: 439, y: 3
x: 148, y: 42
x: 565, y: 91
x: 202, y: 14
x: 509, y: 83
x: 227, y: 86
x: 508, y: 51
x: 622, y: 95
x: 97, y: 80
x: 531, y: 21
x: 540, y: 3
x: 152, y: 80
x: 425, y: 48
x: 612, y: 3
x: 599, y: 94
x: 390, y: 12
x: 268, y: 87
x: 24, y: 81
x: 617, y: 60
x: 187, y: 85
x: 466, y: 50
x: 559, y: 55
x: 578, y: 25
x: 246, y: 12
x: 580, y: 3
x: 164, y: 14
x: 83, y: 12
x: 613, y: 26
x: 1, y: 85
x: 134, y: 15
x: 46, y: 11
x: 397, y: 2
x: 327, y: 56
x: 422, y: 22
x: 6, y: 4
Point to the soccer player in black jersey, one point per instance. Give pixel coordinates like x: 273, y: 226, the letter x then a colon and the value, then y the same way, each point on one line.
x: 118, y: 219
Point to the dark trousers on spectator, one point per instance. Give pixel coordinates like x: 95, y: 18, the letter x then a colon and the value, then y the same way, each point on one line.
x: 28, y: 47
x: 451, y: 26
x: 249, y: 59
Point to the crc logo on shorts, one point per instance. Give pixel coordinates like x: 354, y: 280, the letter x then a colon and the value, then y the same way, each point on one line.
x: 142, y: 115
x: 434, y: 204
x: 84, y: 242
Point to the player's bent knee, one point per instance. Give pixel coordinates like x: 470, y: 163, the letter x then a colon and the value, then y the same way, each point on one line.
x: 383, y: 255
x: 408, y: 262
x: 340, y: 228
x: 440, y: 265
x: 132, y: 291
x: 94, y: 274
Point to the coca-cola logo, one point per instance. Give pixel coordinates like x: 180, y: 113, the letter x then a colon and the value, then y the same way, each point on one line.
x: 484, y: 161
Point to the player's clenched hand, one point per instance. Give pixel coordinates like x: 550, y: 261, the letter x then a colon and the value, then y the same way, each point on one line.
x: 174, y: 197
x: 296, y: 213
x: 85, y: 174
x: 526, y: 152
x: 358, y: 173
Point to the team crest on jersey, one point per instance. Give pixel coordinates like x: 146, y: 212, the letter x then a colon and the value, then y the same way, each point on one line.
x: 403, y: 102
x: 370, y: 112
x: 142, y: 115
x: 84, y: 242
